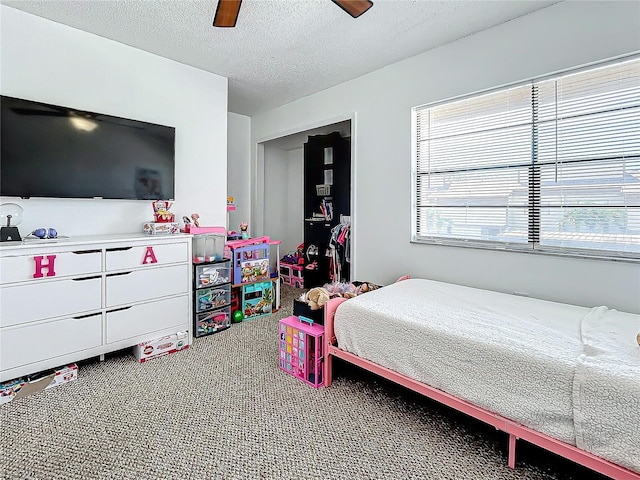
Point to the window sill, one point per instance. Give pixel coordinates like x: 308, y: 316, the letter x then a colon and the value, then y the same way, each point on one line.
x: 527, y: 249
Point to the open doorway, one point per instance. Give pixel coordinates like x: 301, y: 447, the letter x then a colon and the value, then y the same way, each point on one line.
x: 279, y: 208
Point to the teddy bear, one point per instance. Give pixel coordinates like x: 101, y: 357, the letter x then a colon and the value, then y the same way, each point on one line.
x: 317, y: 297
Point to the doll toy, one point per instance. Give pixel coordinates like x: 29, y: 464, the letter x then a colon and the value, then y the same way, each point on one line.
x: 244, y: 226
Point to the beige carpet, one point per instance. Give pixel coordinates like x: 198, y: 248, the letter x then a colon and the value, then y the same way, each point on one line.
x: 224, y: 410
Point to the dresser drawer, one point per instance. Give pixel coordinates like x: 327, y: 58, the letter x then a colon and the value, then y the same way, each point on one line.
x: 141, y: 285
x: 126, y: 258
x: 34, y: 343
x: 146, y: 318
x: 40, y: 300
x: 49, y: 266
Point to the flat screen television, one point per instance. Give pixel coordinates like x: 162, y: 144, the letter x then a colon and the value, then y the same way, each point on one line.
x: 60, y: 152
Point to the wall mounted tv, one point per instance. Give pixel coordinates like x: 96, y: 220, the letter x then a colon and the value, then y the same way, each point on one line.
x: 60, y: 152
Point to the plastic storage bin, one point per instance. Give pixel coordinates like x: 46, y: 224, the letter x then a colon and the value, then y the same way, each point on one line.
x: 208, y: 247
x: 213, y: 321
x: 211, y: 297
x: 214, y: 297
x: 300, y: 351
x: 208, y: 275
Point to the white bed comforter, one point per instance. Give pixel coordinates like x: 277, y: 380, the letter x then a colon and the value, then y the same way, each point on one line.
x: 606, y: 389
x: 536, y: 362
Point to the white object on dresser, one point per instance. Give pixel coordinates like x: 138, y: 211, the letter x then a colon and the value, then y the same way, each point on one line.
x: 67, y: 301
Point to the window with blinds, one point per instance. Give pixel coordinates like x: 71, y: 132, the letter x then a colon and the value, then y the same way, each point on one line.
x: 552, y: 165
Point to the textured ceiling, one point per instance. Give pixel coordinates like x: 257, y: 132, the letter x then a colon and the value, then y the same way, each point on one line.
x: 281, y: 50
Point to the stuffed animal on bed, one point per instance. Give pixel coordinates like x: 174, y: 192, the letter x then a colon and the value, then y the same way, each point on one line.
x: 366, y: 287
x: 317, y: 297
x: 340, y: 289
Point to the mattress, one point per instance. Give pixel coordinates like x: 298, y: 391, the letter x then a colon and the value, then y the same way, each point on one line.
x: 522, y: 358
x: 606, y: 390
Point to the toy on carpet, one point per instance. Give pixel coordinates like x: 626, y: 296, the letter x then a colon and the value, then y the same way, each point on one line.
x: 238, y: 316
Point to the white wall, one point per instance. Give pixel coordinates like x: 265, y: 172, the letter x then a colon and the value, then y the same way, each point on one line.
x: 294, y: 234
x: 564, y: 35
x: 276, y: 179
x: 238, y: 168
x: 283, y: 199
x: 52, y: 63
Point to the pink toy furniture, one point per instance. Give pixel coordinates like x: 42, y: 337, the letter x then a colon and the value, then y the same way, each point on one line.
x: 301, y: 350
x: 251, y: 262
x: 232, y: 245
x: 291, y: 274
x: 249, y: 259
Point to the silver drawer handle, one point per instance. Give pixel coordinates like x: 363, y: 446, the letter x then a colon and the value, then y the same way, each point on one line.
x: 84, y: 252
x: 86, y: 278
x: 118, y: 249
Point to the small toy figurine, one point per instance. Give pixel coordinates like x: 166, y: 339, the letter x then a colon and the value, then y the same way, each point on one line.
x: 187, y: 224
x: 243, y: 229
x: 195, y: 217
x: 161, y: 211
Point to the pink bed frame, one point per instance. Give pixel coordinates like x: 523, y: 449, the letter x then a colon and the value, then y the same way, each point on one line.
x: 515, y: 430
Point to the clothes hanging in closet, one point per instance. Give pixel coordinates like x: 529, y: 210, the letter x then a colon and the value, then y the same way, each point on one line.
x: 340, y: 252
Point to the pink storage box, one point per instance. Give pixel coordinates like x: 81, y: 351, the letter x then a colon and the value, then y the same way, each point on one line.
x: 300, y: 350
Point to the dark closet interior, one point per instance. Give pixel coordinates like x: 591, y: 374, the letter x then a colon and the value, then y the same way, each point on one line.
x: 327, y: 209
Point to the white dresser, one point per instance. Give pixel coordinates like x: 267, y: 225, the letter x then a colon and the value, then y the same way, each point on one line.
x: 65, y: 301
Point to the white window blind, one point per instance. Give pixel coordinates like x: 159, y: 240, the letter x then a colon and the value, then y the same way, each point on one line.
x: 552, y: 165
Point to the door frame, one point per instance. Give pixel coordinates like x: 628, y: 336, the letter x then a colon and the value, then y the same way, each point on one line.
x: 258, y: 188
